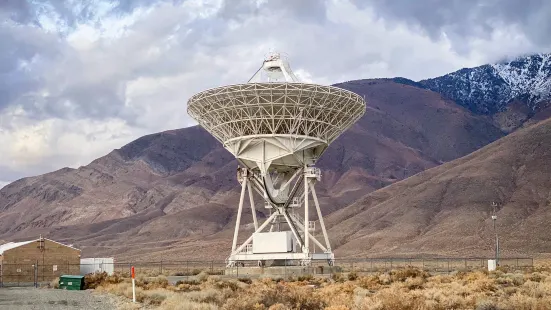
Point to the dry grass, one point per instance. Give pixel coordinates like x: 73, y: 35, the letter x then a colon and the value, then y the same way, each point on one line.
x: 402, y: 289
x: 54, y: 283
x: 172, y: 271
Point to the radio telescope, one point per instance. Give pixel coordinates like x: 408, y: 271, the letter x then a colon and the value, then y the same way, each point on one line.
x: 277, y: 128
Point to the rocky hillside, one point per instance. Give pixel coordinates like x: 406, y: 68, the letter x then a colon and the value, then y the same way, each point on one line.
x: 174, y: 191
x: 447, y: 209
x: 489, y: 89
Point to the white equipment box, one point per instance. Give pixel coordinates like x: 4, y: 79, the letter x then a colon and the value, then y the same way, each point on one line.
x: 93, y: 265
x: 492, y: 265
x: 273, y: 242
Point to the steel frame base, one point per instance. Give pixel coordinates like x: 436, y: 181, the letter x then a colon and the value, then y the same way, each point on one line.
x: 300, y: 227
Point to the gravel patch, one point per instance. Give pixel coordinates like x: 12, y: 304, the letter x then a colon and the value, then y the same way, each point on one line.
x: 24, y: 298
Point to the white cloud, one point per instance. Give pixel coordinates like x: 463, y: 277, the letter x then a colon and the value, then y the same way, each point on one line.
x: 102, y: 82
x: 42, y: 146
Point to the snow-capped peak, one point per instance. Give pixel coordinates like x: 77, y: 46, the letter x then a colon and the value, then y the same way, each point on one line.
x: 489, y: 88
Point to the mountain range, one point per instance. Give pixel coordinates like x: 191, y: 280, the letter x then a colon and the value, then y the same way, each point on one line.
x: 414, y: 176
x: 512, y: 92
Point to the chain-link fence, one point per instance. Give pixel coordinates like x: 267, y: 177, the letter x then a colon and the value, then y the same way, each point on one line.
x: 29, y: 274
x: 32, y: 274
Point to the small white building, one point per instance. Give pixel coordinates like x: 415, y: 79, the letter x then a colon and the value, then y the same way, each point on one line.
x: 99, y: 265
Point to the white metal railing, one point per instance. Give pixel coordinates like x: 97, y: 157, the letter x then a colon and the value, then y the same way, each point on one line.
x: 248, y: 249
x: 313, y: 172
x: 300, y: 222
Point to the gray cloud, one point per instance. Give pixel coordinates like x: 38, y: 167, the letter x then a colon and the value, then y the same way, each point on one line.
x: 21, y: 47
x: 35, y: 60
x: 93, y: 83
x: 306, y: 10
x: 463, y: 19
x: 70, y: 12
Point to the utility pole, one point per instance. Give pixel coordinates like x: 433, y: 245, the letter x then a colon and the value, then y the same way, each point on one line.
x: 494, y: 219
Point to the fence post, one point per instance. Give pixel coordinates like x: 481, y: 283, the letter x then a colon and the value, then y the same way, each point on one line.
x: 161, y: 266
x: 133, y: 284
x: 36, y: 276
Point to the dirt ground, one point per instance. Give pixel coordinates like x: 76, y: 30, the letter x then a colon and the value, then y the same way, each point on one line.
x: 27, y: 298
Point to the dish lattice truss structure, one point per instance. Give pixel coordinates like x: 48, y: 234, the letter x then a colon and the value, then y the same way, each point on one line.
x: 277, y: 128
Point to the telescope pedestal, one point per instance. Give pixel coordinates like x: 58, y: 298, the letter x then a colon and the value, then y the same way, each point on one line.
x: 289, y: 235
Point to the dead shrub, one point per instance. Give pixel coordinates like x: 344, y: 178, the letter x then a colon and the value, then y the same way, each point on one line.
x: 486, y: 305
x: 442, y: 279
x: 262, y: 295
x: 192, y: 272
x: 209, y: 296
x: 93, y: 280
x: 306, y: 277
x: 152, y: 283
x: 391, y: 298
x: 232, y: 285
x: 369, y: 282
x: 188, y: 281
x: 202, y: 276
x: 245, y: 280
x: 385, y: 279
x: 337, y: 277
x: 414, y: 283
x: 156, y: 296
x: 536, y: 277
x: 54, y: 283
x: 352, y: 276
x: 409, y: 272
x: 319, y: 281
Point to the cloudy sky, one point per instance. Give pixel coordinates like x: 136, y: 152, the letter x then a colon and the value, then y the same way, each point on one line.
x: 79, y: 78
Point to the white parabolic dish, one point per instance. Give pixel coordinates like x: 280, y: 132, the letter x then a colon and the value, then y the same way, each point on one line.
x: 276, y: 126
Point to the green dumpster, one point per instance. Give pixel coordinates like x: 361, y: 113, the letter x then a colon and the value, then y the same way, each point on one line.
x: 69, y: 282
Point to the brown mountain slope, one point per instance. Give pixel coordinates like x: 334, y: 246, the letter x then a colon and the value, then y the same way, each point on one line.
x: 447, y: 209
x: 179, y: 186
